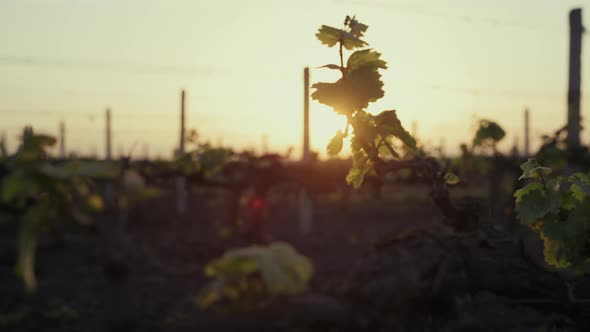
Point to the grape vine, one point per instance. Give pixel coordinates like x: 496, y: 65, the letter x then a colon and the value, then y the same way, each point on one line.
x: 558, y: 209
x: 44, y: 194
x: 373, y: 137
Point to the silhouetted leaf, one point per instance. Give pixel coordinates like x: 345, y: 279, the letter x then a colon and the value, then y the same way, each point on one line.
x: 357, y: 29
x: 388, y: 123
x: 353, y: 92
x: 331, y: 66
x: 532, y: 170
x: 333, y: 95
x: 329, y: 36
x: 365, y: 58
x: 335, y: 145
x: 27, y: 243
x: 489, y: 132
x: 361, y: 165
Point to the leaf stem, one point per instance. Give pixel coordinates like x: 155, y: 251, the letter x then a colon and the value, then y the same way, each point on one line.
x: 341, y: 58
x: 389, y: 148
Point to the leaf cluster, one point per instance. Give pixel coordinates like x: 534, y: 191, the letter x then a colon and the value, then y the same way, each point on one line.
x: 203, y: 158
x: 488, y: 134
x: 253, y: 276
x: 46, y: 194
x: 360, y: 84
x: 558, y: 208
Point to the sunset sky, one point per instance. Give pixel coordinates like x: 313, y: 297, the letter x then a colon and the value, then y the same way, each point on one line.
x: 241, y: 63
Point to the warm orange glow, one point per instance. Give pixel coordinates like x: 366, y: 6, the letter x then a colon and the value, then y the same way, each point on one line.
x: 241, y: 63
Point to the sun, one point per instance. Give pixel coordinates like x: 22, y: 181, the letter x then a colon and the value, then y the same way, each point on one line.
x: 324, y: 124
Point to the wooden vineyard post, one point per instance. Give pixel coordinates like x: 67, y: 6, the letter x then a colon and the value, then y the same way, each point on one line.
x: 573, y: 95
x: 527, y: 136
x: 108, y: 152
x: 116, y: 300
x: 182, y: 125
x: 181, y: 180
x: 62, y: 140
x: 305, y: 202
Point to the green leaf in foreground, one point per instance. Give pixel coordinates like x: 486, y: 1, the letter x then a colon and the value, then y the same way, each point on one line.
x: 335, y: 145
x: 451, y: 178
x: 388, y: 123
x: 329, y: 36
x: 255, y: 274
x: 27, y: 244
x: 532, y: 170
x: 366, y: 59
x: 580, y: 186
x: 533, y: 202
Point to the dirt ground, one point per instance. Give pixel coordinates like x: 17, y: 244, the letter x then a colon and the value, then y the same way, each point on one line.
x: 166, y: 255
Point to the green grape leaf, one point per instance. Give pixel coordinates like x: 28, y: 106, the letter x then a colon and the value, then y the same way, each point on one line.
x: 354, y: 92
x: 365, y: 59
x: 41, y: 141
x: 359, y: 156
x: 451, y: 178
x: 27, y: 244
x: 356, y: 176
x: 335, y: 145
x: 553, y: 253
x: 529, y: 165
x: 329, y: 36
x: 331, y: 66
x: 351, y: 42
x: 364, y: 128
x: 388, y: 123
x: 278, y: 267
x: 489, y: 132
x: 569, y: 201
x: 577, y: 222
x: 211, y: 293
x: 533, y: 203
x: 580, y: 186
x: 32, y: 147
x: 361, y: 164
x: 332, y: 94
x: 232, y: 264
x: 363, y: 86
x: 211, y: 160
x: 12, y: 186
x: 386, y: 147
x: 532, y: 170
x: 283, y: 270
x: 357, y: 29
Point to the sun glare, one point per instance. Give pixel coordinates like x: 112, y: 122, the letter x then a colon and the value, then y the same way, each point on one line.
x: 324, y: 124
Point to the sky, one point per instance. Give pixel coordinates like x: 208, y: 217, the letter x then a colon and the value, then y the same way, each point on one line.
x: 241, y: 63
